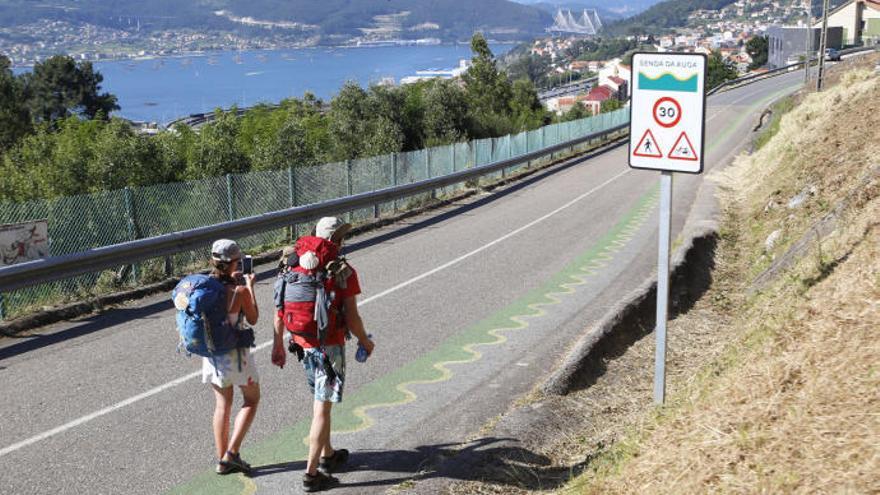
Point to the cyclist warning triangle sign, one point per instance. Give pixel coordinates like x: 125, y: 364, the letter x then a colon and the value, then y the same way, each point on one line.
x: 683, y: 149
x: 648, y: 146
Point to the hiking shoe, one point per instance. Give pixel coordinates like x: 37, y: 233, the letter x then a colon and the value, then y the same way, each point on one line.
x: 224, y: 467
x: 236, y: 463
x: 330, y: 464
x: 318, y: 482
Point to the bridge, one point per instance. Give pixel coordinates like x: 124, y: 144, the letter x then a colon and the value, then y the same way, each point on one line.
x: 588, y: 23
x: 471, y: 304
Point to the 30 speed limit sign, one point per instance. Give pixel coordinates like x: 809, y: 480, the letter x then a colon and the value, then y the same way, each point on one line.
x: 667, y: 112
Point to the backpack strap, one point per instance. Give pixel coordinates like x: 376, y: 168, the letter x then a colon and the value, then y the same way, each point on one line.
x: 231, y: 301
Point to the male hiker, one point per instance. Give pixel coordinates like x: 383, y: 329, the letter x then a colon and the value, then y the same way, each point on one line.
x: 316, y: 301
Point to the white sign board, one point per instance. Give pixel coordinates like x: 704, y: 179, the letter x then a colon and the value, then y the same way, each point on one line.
x: 667, y: 112
x: 22, y: 242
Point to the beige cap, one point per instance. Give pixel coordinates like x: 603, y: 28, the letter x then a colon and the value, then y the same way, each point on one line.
x: 225, y: 250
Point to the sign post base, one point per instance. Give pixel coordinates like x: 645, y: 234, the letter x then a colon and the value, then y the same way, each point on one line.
x: 662, y: 286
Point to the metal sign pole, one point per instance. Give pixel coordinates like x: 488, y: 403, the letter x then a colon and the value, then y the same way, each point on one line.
x: 662, y: 286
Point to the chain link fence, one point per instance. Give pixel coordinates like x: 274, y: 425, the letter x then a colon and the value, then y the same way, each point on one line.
x: 80, y: 223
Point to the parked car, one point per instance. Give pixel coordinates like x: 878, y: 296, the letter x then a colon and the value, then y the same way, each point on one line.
x: 832, y: 55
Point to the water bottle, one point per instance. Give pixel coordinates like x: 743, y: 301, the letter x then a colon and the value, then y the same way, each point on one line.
x: 361, y: 354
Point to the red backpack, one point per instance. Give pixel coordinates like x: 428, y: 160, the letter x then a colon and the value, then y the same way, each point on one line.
x: 307, y: 290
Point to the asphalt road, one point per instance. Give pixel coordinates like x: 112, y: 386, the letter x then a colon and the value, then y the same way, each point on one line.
x: 470, y: 306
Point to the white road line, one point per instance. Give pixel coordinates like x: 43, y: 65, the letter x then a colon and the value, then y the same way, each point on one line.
x: 149, y: 393
x: 96, y: 414
x: 161, y: 388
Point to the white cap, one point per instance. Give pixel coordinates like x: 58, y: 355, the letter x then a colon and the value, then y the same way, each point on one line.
x: 332, y: 229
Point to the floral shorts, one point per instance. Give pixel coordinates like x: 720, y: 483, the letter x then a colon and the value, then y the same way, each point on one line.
x: 325, y: 383
x: 236, y: 367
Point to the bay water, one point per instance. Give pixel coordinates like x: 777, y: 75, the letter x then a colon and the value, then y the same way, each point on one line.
x: 166, y: 88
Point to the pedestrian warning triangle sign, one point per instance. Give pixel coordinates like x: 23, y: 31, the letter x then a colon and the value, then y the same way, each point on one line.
x: 648, y: 146
x: 683, y: 149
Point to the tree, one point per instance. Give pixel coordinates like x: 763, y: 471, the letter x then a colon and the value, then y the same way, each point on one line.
x: 120, y: 157
x: 446, y: 113
x: 757, y: 48
x: 531, y: 67
x: 216, y: 150
x: 719, y: 71
x: 15, y: 121
x: 78, y: 156
x: 59, y: 87
x: 576, y: 112
x: 610, y: 105
x: 365, y: 123
x: 526, y: 109
x: 489, y: 90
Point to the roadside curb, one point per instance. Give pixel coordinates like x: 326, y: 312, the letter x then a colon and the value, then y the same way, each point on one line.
x: 97, y: 304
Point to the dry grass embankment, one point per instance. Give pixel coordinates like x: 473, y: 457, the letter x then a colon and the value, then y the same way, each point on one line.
x: 791, y: 403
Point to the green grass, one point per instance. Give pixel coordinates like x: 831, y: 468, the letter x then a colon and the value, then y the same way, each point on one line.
x: 781, y: 107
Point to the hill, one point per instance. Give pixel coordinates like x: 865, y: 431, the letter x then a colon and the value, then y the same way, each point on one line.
x: 444, y: 19
x: 663, y: 16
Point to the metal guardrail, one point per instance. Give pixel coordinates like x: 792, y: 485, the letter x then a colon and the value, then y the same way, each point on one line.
x: 61, y: 267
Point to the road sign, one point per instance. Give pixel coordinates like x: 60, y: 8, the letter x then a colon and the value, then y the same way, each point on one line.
x: 668, y: 106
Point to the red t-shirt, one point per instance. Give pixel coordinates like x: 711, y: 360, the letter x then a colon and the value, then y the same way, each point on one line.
x: 336, y: 335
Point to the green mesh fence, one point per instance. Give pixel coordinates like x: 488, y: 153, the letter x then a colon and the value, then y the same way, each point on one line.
x: 79, y: 223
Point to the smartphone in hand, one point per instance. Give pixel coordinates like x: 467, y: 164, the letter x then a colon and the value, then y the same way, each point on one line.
x: 247, y: 265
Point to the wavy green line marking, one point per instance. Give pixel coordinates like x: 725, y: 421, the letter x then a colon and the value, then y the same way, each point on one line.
x: 394, y: 389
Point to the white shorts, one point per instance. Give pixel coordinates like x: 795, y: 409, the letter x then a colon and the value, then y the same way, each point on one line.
x: 224, y: 370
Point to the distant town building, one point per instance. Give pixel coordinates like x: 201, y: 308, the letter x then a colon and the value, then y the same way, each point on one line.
x: 618, y: 85
x: 592, y: 100
x: 598, y: 94
x: 614, y: 68
x: 859, y: 21
x: 788, y: 44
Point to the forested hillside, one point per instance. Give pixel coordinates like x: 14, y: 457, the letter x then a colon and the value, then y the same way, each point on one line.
x: 663, y: 16
x: 445, y: 19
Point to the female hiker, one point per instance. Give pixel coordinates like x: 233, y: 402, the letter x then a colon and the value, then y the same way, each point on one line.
x: 235, y: 368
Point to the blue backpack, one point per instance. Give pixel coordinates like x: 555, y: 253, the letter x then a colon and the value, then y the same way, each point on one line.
x: 201, y: 317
